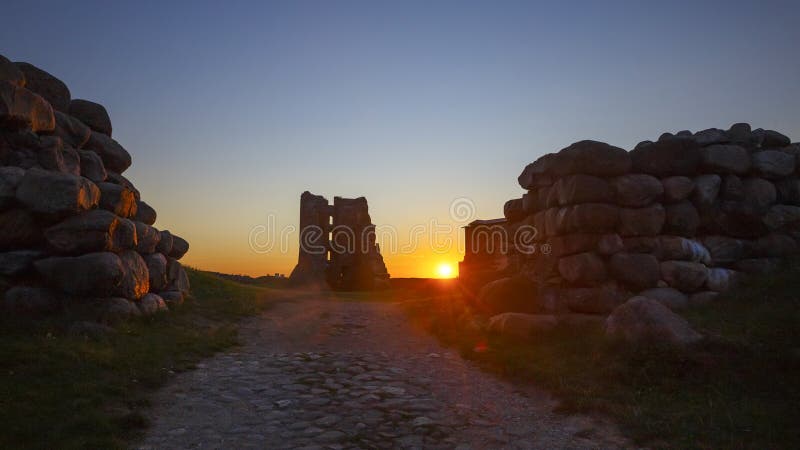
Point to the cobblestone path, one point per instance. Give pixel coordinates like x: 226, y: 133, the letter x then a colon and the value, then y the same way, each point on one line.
x: 330, y: 374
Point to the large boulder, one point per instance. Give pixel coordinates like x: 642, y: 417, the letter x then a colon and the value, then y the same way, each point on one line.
x: 706, y: 190
x: 782, y: 216
x: 643, y: 319
x: 724, y: 250
x: 31, y: 301
x: 93, y: 274
x: 721, y: 279
x: 117, y: 199
x: 115, y: 309
x: 11, y: 73
x: 56, y: 194
x: 669, y: 297
x: 641, y: 221
x: 172, y: 298
x: 594, y: 300
x: 116, y: 178
x: 19, y: 229
x: 92, y: 166
x: 71, y: 130
x: 608, y: 244
x: 741, y: 133
x: 640, y: 244
x: 157, y: 270
x: 773, y: 164
x: 711, y: 136
x: 520, y: 325
x: 775, y: 245
x: 637, y: 270
x: 165, y: 241
x: 542, y: 197
x: 538, y: 173
x: 583, y: 269
x: 177, y: 278
x: 179, y: 247
x: 683, y: 249
x: 512, y: 294
x: 49, y: 87
x: 72, y: 161
x: 759, y: 194
x: 679, y: 156
x: 18, y: 262
x: 530, y: 202
x: 788, y: 191
x: 152, y: 304
x: 583, y: 189
x: 147, y: 238
x: 145, y: 213
x: 571, y: 244
x: 50, y: 154
x: 92, y: 114
x: 677, y: 188
x: 684, y: 276
x: 92, y: 231
x: 21, y: 108
x: 10, y: 177
x: 757, y: 265
x: 681, y: 219
x: 702, y: 298
x: 636, y: 190
x: 584, y: 218
x: 513, y: 210
x: 772, y: 139
x: 114, y: 156
x: 136, y: 281
x: 731, y: 189
x: 725, y: 158
x: 591, y: 158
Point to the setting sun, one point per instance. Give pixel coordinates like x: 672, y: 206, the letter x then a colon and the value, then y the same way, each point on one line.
x: 444, y: 270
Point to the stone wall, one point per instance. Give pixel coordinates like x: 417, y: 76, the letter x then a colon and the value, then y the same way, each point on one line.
x: 75, y: 235
x: 677, y: 220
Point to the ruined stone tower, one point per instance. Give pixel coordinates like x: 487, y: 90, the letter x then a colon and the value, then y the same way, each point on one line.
x: 337, y: 245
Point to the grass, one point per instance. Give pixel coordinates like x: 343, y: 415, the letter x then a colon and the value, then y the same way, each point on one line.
x: 738, y: 389
x: 64, y: 391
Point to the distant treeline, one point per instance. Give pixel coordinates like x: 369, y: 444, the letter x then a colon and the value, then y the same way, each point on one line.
x: 264, y: 280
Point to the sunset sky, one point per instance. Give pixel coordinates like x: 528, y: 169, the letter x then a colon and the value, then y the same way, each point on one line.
x: 232, y: 109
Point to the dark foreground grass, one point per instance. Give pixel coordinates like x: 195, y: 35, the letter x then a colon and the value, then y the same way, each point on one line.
x: 63, y: 391
x: 740, y: 388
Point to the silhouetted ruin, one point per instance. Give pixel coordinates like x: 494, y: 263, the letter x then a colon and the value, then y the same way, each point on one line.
x: 337, y: 245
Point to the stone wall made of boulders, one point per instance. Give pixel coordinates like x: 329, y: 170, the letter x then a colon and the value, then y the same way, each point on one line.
x: 75, y: 234
x: 677, y: 220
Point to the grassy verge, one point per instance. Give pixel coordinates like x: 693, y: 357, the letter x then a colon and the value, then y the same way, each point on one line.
x: 63, y: 391
x: 738, y: 389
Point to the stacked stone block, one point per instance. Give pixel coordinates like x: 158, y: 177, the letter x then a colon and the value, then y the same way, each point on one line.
x: 75, y: 234
x: 678, y: 220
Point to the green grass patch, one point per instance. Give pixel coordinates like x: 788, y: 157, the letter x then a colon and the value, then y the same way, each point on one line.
x: 739, y: 389
x: 63, y: 391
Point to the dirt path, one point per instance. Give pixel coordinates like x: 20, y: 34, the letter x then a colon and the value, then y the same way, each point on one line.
x: 337, y: 374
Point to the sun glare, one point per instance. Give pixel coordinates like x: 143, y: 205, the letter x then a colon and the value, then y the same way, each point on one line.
x: 444, y: 270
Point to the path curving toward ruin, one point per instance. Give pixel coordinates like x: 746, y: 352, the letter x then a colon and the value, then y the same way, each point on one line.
x: 325, y: 373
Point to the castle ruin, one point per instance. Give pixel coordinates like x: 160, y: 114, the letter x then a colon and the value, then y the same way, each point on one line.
x: 337, y: 245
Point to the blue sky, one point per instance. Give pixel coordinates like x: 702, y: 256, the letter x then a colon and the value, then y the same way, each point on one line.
x: 232, y: 109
